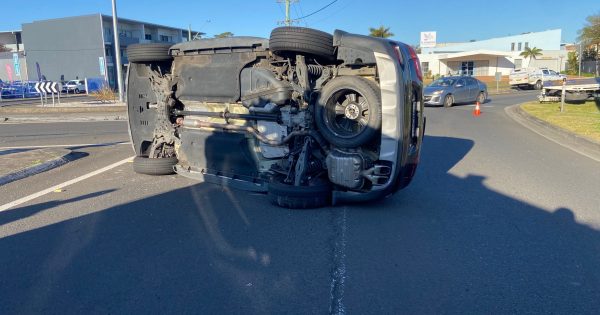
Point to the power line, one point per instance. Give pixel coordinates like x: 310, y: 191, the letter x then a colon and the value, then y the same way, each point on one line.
x: 321, y: 9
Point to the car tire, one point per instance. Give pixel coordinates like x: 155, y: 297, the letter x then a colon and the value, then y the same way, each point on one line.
x: 538, y: 85
x: 158, y: 166
x: 481, y: 98
x: 302, y: 40
x: 76, y: 91
x: 333, y: 125
x: 142, y: 53
x: 299, y: 197
x: 448, y: 100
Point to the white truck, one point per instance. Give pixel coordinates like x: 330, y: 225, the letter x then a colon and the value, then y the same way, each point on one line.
x: 576, y: 90
x: 532, y: 77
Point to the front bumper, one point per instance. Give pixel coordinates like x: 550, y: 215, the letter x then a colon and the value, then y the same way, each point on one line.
x: 433, y: 99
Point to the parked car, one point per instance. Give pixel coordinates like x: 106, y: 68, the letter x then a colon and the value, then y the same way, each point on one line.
x: 456, y: 89
x: 532, y: 77
x: 74, y: 86
x: 309, y: 118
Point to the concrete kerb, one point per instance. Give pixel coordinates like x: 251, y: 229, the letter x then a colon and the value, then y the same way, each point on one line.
x: 566, y: 138
x: 36, y: 169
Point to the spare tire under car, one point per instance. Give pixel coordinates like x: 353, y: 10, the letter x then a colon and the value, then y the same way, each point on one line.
x: 348, y: 112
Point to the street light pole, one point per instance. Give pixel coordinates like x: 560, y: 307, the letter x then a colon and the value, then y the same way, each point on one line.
x: 117, y: 51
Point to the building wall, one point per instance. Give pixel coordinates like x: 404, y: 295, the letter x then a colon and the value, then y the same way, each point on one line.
x: 6, y: 61
x: 11, y: 40
x: 67, y: 47
x: 546, y: 40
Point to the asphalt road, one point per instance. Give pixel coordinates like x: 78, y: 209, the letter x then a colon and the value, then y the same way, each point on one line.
x: 497, y: 220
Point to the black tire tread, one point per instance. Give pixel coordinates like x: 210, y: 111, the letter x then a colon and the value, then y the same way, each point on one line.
x: 304, y: 197
x: 138, y: 53
x: 148, y: 166
x: 301, y: 40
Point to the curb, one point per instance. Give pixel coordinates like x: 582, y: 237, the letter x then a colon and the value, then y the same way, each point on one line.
x: 62, y: 110
x: 33, y: 170
x: 565, y: 138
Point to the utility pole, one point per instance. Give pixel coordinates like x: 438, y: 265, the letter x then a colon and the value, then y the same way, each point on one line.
x: 117, y: 52
x: 580, y: 57
x: 189, y: 32
x: 288, y: 20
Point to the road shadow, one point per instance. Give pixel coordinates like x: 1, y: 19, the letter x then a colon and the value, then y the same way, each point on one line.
x: 445, y: 244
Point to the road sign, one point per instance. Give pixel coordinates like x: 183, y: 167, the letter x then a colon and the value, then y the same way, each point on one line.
x: 17, y: 64
x: 47, y: 87
x: 428, y: 39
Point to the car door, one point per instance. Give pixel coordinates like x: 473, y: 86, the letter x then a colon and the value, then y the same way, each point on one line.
x: 461, y: 90
x: 473, y: 88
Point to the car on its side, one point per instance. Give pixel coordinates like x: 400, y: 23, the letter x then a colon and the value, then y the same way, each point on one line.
x: 447, y: 91
x: 307, y: 117
x: 74, y: 86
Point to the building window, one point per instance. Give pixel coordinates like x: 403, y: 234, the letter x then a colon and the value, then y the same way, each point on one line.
x: 425, y: 67
x: 148, y: 36
x: 164, y: 38
x: 512, y: 47
x: 526, y: 45
x: 519, y: 46
x: 466, y: 68
x: 518, y: 63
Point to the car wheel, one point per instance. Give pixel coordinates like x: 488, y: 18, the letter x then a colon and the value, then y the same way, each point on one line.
x: 348, y: 112
x: 481, y: 98
x: 158, y: 166
x: 538, y: 85
x: 301, y: 40
x: 76, y: 91
x: 140, y: 53
x: 316, y: 195
x: 448, y: 100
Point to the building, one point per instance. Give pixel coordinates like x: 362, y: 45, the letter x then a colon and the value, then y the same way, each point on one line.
x: 82, y: 46
x: 486, y: 57
x: 11, y: 40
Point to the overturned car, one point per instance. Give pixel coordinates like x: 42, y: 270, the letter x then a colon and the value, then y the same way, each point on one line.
x: 309, y: 118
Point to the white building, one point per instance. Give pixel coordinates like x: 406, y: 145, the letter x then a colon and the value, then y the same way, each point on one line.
x: 486, y: 57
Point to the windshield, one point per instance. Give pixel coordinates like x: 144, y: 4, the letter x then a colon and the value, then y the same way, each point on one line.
x: 72, y: 82
x: 443, y: 82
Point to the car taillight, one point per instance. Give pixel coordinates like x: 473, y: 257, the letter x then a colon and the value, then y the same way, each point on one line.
x: 415, y: 60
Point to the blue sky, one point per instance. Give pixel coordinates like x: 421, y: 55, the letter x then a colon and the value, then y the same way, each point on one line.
x: 454, y: 20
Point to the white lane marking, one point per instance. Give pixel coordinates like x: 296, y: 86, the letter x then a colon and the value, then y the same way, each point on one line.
x: 338, y: 276
x: 62, y: 185
x: 64, y: 145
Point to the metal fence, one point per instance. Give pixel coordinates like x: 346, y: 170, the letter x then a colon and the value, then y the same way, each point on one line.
x: 591, y: 66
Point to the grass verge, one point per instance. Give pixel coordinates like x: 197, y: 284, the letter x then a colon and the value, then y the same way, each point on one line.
x: 582, y: 119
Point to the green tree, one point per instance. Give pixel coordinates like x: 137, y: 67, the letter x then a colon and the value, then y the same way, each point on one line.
x: 4, y: 48
x: 572, y: 63
x: 531, y: 52
x: 590, y: 33
x: 382, y: 31
x: 224, y: 35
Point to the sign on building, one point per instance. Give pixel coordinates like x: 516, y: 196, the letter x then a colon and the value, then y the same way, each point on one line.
x: 17, y: 64
x: 102, y: 66
x: 428, y: 39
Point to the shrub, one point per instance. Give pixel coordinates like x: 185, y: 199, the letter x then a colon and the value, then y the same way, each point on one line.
x: 105, y: 95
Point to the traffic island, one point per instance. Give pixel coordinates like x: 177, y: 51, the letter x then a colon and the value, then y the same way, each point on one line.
x: 577, y: 127
x: 20, y: 163
x: 66, y: 112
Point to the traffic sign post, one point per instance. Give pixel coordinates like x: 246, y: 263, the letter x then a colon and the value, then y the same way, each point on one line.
x: 498, y: 78
x: 45, y: 88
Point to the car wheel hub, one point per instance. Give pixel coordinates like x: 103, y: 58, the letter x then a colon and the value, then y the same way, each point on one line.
x: 352, y: 111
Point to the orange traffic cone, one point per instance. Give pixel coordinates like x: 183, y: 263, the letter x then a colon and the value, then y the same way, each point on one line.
x: 477, y: 110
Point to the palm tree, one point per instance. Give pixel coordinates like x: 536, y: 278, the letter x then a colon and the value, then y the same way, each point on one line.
x: 529, y: 52
x: 382, y: 31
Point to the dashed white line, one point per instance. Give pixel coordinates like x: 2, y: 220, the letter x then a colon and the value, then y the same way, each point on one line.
x: 62, y: 185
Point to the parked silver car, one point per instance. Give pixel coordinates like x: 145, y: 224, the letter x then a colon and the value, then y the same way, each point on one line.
x: 458, y: 89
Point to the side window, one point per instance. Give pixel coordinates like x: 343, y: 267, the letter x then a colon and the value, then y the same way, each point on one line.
x: 552, y: 72
x: 545, y: 72
x: 461, y: 82
x: 472, y: 82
